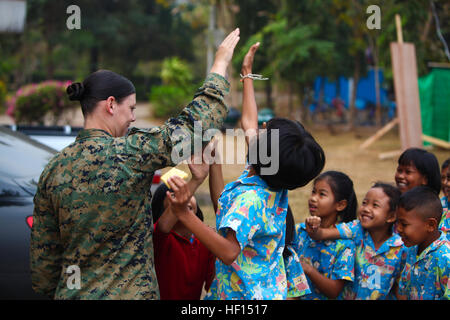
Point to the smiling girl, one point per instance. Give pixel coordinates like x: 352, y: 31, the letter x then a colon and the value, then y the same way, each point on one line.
x: 417, y: 167
x: 328, y: 265
x: 380, y: 253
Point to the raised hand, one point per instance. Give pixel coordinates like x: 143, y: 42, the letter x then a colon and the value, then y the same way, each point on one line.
x: 247, y: 64
x: 180, y: 195
x: 225, y: 53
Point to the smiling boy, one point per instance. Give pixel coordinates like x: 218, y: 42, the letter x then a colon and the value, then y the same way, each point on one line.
x: 427, y: 270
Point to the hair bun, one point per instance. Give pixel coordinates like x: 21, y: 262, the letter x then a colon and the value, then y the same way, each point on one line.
x: 75, y: 91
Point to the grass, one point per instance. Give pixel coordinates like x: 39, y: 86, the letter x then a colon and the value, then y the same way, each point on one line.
x: 342, y: 154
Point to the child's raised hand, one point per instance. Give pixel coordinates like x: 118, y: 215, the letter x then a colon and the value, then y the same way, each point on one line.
x: 199, y: 168
x: 179, y: 198
x: 247, y: 64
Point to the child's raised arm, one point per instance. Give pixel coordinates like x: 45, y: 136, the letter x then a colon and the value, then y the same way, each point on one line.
x: 216, y: 183
x: 249, y: 119
x: 317, y: 233
x: 225, y: 248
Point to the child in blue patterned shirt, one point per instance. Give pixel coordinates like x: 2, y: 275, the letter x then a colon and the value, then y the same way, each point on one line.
x: 328, y: 265
x: 380, y: 254
x: 427, y: 271
x: 444, y: 225
x: 251, y: 214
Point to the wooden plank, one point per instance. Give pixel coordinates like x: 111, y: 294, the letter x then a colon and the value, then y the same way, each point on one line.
x: 407, y: 94
x: 436, y: 141
x: 379, y: 133
x: 389, y: 154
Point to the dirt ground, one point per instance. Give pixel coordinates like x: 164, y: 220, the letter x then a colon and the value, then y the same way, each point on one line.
x: 342, y: 153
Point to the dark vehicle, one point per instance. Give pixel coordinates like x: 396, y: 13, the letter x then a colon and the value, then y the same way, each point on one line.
x: 22, y: 160
x: 21, y: 163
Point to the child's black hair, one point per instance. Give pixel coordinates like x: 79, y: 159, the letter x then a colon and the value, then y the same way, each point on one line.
x: 392, y: 192
x: 290, y: 232
x: 424, y: 201
x: 445, y: 164
x: 301, y: 158
x: 342, y: 187
x: 158, y: 203
x: 426, y: 163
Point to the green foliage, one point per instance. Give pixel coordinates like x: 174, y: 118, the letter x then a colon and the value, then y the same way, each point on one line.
x: 176, y: 72
x: 33, y: 102
x: 167, y: 100
x: 176, y: 90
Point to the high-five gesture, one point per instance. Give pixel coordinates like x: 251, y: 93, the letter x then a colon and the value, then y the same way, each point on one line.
x: 225, y: 53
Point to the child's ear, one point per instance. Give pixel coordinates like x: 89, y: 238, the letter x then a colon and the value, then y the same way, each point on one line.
x: 341, y: 205
x: 431, y: 224
x: 392, y: 217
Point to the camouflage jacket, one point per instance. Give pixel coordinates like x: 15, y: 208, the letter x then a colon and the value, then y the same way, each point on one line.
x: 92, y: 206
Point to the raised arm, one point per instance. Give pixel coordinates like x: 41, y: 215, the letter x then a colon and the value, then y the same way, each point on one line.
x: 225, y: 248
x: 173, y: 142
x: 318, y: 233
x: 249, y: 119
x: 199, y: 172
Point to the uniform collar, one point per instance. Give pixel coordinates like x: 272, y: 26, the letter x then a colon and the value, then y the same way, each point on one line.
x: 324, y: 242
x: 92, y: 133
x: 244, y: 179
x: 432, y: 247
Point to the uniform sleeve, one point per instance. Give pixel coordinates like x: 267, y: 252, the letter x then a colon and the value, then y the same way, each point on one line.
x: 245, y: 217
x: 45, y: 246
x: 444, y: 276
x: 350, y: 230
x: 169, y: 144
x: 344, y: 265
x: 297, y: 283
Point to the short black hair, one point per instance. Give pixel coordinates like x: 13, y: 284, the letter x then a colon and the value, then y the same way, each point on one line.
x: 391, y: 191
x: 342, y: 187
x: 424, y: 201
x: 445, y: 164
x: 158, y: 203
x: 99, y: 86
x: 301, y: 158
x: 426, y: 163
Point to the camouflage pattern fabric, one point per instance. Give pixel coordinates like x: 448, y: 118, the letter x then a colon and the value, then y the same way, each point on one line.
x: 92, y: 206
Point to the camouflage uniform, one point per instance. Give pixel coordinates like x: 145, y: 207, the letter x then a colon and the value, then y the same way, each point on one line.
x: 92, y: 206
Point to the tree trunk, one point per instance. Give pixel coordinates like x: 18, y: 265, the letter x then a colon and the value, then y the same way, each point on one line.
x: 94, y: 59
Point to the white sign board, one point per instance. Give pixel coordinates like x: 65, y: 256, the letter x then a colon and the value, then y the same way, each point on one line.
x: 12, y: 15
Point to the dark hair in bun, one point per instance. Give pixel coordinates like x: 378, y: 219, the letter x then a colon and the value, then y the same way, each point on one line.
x: 75, y: 91
x: 99, y: 86
x: 300, y: 157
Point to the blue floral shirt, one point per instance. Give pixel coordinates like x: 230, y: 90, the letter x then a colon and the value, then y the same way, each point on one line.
x: 257, y: 215
x: 426, y: 277
x: 333, y: 259
x: 296, y: 279
x: 376, y: 271
x: 444, y: 225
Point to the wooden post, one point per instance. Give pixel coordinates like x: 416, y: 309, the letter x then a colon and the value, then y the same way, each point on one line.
x: 406, y: 91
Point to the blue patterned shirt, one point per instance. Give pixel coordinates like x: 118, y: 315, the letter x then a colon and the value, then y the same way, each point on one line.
x: 426, y: 277
x: 333, y: 259
x: 376, y: 271
x: 258, y: 216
